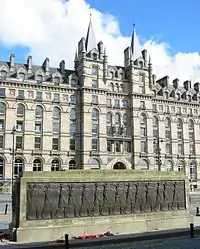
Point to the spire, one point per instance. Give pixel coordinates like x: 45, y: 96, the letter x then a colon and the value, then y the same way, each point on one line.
x: 76, y: 56
x: 135, y: 46
x: 90, y: 38
x: 150, y: 63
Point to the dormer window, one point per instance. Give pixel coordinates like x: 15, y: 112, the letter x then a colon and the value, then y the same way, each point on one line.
x: 21, y: 76
x: 94, y: 56
x: 116, y: 74
x: 56, y: 80
x: 189, y: 98
x: 39, y: 78
x: 166, y: 95
x: 178, y: 96
x: 3, y: 74
x: 73, y: 83
x: 141, y: 64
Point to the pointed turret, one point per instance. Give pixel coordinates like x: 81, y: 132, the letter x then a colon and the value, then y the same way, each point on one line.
x: 90, y: 42
x: 135, y: 46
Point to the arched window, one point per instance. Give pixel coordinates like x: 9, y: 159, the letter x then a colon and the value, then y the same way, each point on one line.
x: 191, y: 124
x: 94, y: 163
x: 20, y: 110
x: 116, y: 87
x: 117, y: 118
x: 38, y: 111
x: 143, y: 118
x: 168, y: 165
x: 37, y: 165
x: 143, y: 133
x: 168, y: 136
x: 179, y: 123
x: 125, y: 119
x: 144, y: 164
x: 56, y: 120
x: 2, y: 167
x: 112, y: 87
x: 109, y: 118
x: 18, y: 166
x: 193, y: 170
x: 72, y: 164
x: 181, y: 166
x: 2, y: 108
x: 55, y: 165
x: 155, y: 121
x: 73, y: 114
x: 95, y: 114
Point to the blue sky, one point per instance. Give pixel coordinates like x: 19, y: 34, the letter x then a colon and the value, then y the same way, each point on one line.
x: 173, y: 21
x: 52, y: 28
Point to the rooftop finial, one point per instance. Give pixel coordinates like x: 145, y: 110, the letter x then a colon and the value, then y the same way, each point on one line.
x: 150, y: 63
x: 90, y: 42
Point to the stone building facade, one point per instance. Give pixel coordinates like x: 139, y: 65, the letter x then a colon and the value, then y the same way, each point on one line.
x: 97, y: 115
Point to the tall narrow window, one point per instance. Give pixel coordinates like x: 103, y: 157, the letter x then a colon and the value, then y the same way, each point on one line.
x: 180, y: 137
x: 95, y: 129
x: 193, y: 171
x: 168, y: 136
x: 56, y: 120
x: 72, y: 117
x: 191, y: 137
x: 156, y: 142
x: 18, y: 166
x: 2, y: 167
x: 143, y: 133
x: 109, y: 123
x: 20, y: 110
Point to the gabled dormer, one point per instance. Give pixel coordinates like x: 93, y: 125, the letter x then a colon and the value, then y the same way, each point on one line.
x: 73, y: 80
x: 56, y: 78
x: 39, y: 75
x: 4, y: 70
x: 21, y: 73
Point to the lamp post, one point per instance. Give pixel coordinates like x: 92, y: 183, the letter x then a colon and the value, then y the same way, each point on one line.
x: 13, y: 159
x: 157, y: 141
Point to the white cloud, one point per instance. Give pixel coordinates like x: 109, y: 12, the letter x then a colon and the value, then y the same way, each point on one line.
x: 53, y: 28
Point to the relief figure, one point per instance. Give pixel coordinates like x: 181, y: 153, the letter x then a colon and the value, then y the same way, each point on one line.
x: 36, y: 195
x: 171, y: 192
x: 159, y: 197
x: 63, y: 201
x: 51, y: 201
x: 180, y: 188
x: 87, y: 200
x: 98, y: 199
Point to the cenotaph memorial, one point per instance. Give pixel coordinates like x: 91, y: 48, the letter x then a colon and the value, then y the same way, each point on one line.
x: 48, y: 205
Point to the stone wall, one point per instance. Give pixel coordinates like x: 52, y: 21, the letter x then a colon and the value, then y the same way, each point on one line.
x: 50, y: 204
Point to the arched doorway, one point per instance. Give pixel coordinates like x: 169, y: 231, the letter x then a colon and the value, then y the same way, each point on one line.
x: 119, y: 165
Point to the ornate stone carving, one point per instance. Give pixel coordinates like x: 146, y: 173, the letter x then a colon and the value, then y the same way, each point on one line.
x: 82, y: 199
